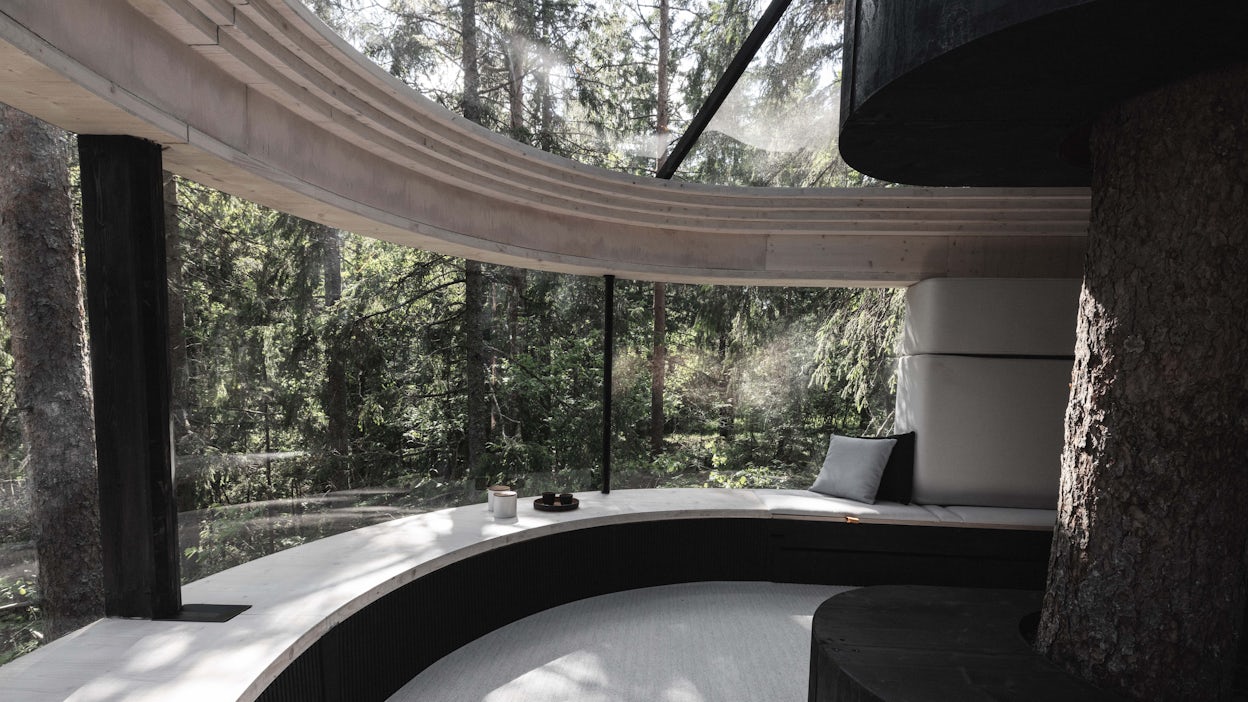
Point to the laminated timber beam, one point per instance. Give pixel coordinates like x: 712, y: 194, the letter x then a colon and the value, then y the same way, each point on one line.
x: 261, y: 100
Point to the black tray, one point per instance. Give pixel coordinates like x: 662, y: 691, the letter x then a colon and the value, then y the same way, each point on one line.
x: 543, y: 507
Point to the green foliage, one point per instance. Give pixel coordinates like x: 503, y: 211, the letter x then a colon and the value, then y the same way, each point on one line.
x: 756, y: 378
x: 12, y: 452
x: 20, y: 622
x: 857, y: 350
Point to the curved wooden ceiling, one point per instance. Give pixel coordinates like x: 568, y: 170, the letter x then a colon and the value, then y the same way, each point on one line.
x: 260, y: 99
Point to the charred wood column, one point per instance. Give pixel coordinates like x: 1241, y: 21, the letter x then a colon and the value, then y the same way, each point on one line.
x: 124, y: 237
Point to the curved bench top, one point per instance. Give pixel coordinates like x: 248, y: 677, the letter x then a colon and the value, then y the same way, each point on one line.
x: 260, y: 99
x: 299, y: 594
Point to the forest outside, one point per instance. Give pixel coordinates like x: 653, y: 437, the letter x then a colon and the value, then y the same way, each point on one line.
x: 324, y: 381
x: 756, y: 379
x: 320, y: 386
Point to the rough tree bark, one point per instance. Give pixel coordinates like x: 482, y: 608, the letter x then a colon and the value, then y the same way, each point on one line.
x: 515, y: 90
x: 1147, y: 579
x: 470, y: 103
x: 658, y: 355
x: 658, y: 368
x: 39, y: 248
x: 177, y: 308
x: 338, y: 428
x: 544, y: 95
x: 517, y: 51
x: 476, y: 422
x: 516, y: 54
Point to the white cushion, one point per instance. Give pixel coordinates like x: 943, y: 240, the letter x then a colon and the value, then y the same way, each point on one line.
x: 804, y: 503
x: 1005, y: 517
x: 812, y: 505
x: 853, y: 467
x: 988, y: 431
x: 991, y: 316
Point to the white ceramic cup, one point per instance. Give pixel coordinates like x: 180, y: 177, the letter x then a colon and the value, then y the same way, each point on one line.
x: 490, y: 492
x: 505, y: 504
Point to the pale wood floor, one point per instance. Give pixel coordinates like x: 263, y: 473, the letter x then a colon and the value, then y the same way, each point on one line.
x: 697, y: 642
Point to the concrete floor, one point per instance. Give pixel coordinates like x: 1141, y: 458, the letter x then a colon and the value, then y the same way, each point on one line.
x: 696, y: 642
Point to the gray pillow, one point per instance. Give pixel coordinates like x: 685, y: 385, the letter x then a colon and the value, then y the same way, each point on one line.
x: 853, y: 467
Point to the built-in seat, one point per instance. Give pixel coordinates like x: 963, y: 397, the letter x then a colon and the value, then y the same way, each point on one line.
x: 356, y: 615
x: 983, y: 381
x: 804, y: 504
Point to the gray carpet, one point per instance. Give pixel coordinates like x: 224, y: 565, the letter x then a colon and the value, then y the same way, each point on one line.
x: 698, y: 642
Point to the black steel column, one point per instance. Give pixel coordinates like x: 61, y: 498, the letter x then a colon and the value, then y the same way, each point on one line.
x: 608, y: 356
x: 124, y: 236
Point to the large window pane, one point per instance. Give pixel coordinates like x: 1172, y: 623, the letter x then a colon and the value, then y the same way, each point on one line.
x: 577, y: 79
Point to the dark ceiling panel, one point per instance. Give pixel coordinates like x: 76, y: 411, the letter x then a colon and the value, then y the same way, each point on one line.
x: 958, y: 92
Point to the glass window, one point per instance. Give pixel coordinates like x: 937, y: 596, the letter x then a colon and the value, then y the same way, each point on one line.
x: 19, y: 567
x: 577, y: 79
x: 779, y: 124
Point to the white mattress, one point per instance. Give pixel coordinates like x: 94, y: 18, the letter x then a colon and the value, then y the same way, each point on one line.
x: 988, y: 431
x: 1003, y: 517
x: 991, y: 316
x: 805, y: 504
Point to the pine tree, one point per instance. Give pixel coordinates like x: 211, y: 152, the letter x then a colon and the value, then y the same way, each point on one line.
x: 39, y: 249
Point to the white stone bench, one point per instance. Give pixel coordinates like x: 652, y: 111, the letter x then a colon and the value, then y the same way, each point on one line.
x: 298, y: 596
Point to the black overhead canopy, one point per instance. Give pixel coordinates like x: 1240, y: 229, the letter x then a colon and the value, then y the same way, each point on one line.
x: 1001, y: 93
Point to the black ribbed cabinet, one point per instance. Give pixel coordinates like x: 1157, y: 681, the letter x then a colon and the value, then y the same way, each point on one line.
x: 377, y: 650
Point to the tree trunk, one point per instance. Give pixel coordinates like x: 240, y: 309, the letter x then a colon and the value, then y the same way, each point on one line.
x: 658, y: 368
x: 516, y: 281
x: 662, y: 116
x: 181, y: 381
x: 658, y: 354
x: 470, y: 104
x: 545, y: 98
x: 516, y: 278
x: 491, y: 357
x: 1147, y: 580
x: 476, y: 429
x: 523, y: 37
x: 338, y: 427
x: 478, y: 414
x: 43, y: 283
x: 727, y: 413
x: 515, y: 88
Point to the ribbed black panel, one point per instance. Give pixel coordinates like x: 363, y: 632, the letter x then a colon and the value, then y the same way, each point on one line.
x: 376, y: 651
x: 302, y: 681
x: 833, y: 553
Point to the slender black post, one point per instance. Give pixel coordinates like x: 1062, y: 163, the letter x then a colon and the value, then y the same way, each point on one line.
x: 608, y: 356
x: 124, y: 237
x: 723, y: 86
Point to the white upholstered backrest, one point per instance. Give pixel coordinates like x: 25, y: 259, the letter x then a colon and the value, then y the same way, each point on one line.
x: 991, y: 316
x: 984, y: 384
x: 988, y: 431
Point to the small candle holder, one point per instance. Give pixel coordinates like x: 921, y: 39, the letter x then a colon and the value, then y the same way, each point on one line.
x: 491, y: 492
x: 552, y: 502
